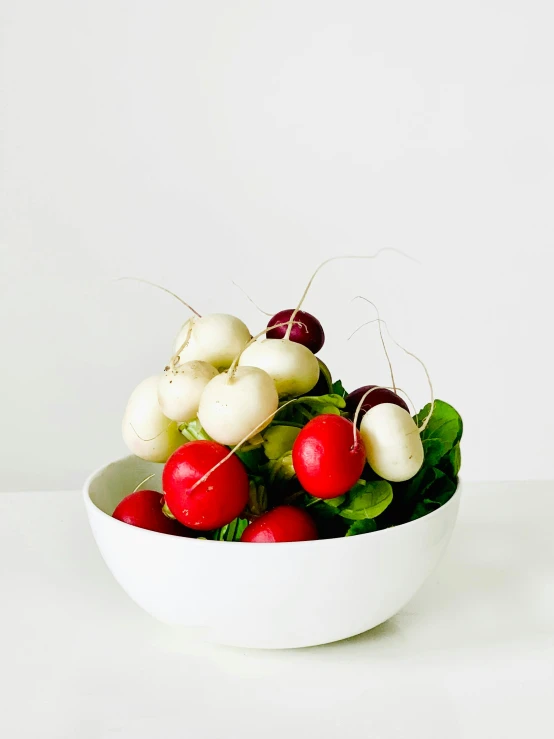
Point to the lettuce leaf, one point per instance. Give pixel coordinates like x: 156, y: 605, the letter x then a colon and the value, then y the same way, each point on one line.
x: 193, y: 431
x: 364, y: 526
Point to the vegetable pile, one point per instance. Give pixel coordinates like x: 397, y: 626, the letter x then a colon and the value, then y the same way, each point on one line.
x: 260, y: 445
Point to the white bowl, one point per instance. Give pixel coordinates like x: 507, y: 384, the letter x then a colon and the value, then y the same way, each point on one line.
x: 296, y: 594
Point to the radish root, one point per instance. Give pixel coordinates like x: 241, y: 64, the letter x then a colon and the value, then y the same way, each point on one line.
x: 378, y: 319
x: 334, y: 259
x: 142, y: 483
x: 160, y: 287
x: 176, y: 357
x: 409, y: 353
x: 247, y: 296
x: 163, y: 431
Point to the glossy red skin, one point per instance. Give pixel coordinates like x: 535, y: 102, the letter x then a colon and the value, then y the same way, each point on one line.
x: 310, y: 334
x: 375, y: 398
x: 217, y: 500
x: 144, y: 510
x: 326, y: 460
x: 284, y: 523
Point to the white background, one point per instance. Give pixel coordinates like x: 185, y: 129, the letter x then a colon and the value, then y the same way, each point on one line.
x: 195, y: 143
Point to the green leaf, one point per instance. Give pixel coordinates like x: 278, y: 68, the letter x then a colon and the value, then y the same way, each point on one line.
x: 278, y: 440
x: 365, y: 526
x: 280, y: 470
x: 434, y: 450
x: 303, y: 409
x: 321, y: 508
x: 338, y: 389
x: 166, y: 511
x: 193, y: 431
x: 253, y: 460
x: 451, y: 462
x: 437, y: 491
x: 445, y: 427
x: 367, y: 500
x: 231, y: 531
x: 257, y: 496
x: 423, y: 508
x: 324, y: 385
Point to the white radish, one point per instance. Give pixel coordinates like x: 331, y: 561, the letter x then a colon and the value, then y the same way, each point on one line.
x: 392, y: 442
x: 180, y: 388
x: 146, y: 431
x: 293, y: 367
x: 216, y: 338
x: 234, y: 405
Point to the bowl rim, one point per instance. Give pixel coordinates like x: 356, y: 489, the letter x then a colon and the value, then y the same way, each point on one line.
x: 194, y: 541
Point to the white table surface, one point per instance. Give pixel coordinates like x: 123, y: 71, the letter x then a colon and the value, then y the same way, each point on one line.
x: 471, y: 657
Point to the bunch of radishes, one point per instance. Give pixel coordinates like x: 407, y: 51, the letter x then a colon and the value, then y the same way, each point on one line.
x: 231, y: 387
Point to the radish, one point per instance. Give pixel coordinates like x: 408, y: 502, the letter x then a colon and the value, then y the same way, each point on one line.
x: 308, y: 331
x: 292, y: 367
x: 216, y: 338
x: 237, y: 404
x: 180, y: 388
x: 143, y: 509
x: 380, y: 395
x: 204, y: 487
x: 284, y: 523
x: 328, y: 456
x: 146, y: 430
x: 392, y: 442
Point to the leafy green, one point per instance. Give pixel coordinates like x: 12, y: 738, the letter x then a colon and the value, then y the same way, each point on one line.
x: 338, y: 389
x: 442, y: 433
x: 303, y: 409
x: 278, y: 440
x: 281, y: 469
x: 367, y: 500
x: 231, y: 531
x: 257, y: 495
x: 166, y: 511
x: 365, y: 526
x: 451, y: 462
x: 254, y: 459
x: 193, y: 431
x: 324, y: 376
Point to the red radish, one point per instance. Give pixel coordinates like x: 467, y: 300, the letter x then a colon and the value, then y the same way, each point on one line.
x: 284, y: 523
x: 381, y: 395
x: 328, y: 456
x: 307, y: 330
x: 215, y: 501
x: 144, y: 510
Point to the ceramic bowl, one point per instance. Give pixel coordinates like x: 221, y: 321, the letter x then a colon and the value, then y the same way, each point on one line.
x: 284, y: 595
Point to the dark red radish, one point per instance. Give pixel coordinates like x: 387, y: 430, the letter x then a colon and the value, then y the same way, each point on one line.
x: 284, y: 523
x: 306, y: 330
x: 144, y: 510
x: 215, y: 501
x: 382, y: 395
x: 328, y: 456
